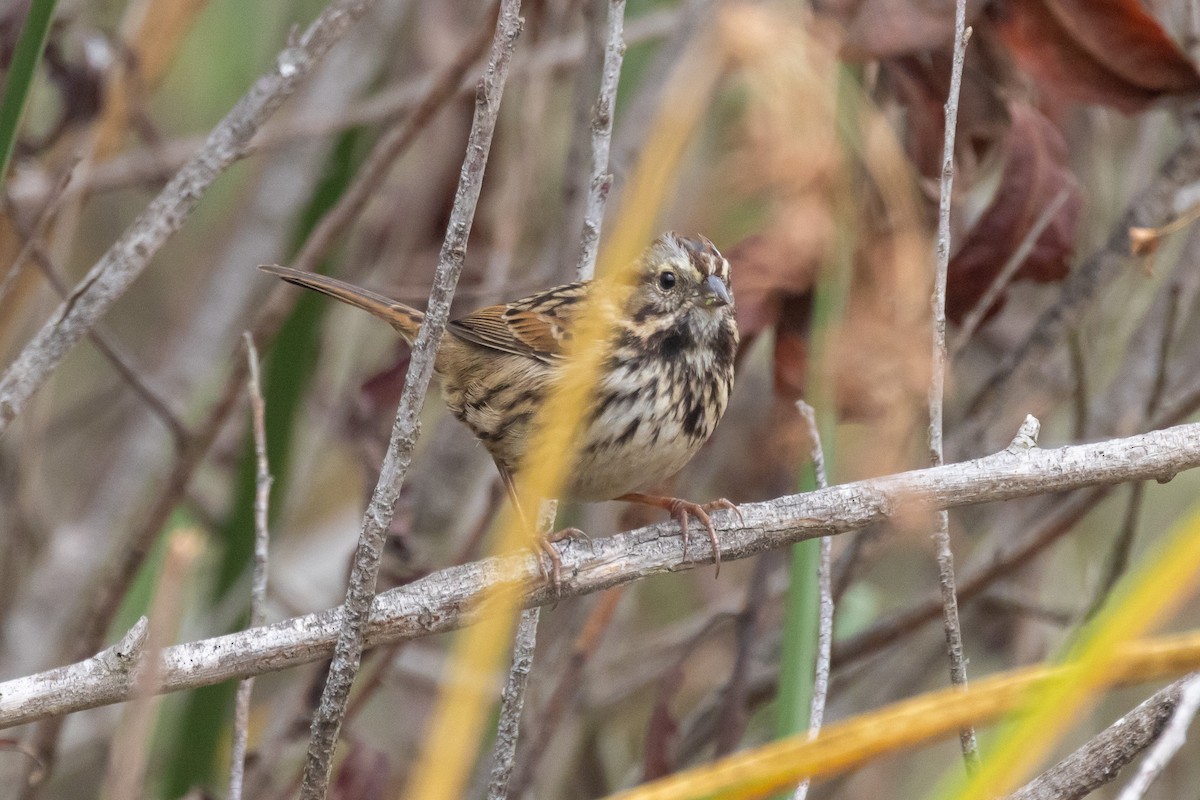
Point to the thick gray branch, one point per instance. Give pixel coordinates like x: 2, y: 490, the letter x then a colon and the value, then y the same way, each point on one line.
x: 130, y: 255
x: 448, y: 600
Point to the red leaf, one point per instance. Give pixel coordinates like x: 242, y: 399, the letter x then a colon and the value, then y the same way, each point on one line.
x: 1035, y: 172
x: 1096, y: 51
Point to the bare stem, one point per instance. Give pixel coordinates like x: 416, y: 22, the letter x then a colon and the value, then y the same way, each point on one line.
x: 941, y: 535
x: 360, y: 592
x: 513, y: 699
x: 512, y: 703
x: 825, y: 582
x: 258, y: 590
x: 602, y: 126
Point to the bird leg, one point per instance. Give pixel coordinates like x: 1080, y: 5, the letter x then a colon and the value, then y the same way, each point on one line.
x: 682, y: 511
x: 553, y: 574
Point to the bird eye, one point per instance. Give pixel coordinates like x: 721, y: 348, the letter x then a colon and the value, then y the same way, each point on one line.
x: 666, y: 280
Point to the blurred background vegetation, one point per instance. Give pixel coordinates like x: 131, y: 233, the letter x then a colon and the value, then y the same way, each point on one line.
x: 817, y: 162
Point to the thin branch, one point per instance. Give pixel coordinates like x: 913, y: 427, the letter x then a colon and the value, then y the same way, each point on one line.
x: 568, y: 685
x: 1169, y: 743
x: 34, y: 232
x: 360, y: 592
x: 131, y: 253
x: 258, y: 590
x: 587, y: 84
x: 102, y: 338
x: 941, y: 535
x: 396, y: 141
x: 512, y: 703
x: 448, y: 599
x: 825, y: 581
x: 602, y: 126
x: 512, y: 699
x: 1101, y: 758
x: 1007, y: 272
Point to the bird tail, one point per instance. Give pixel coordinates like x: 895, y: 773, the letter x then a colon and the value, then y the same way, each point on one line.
x: 404, y: 319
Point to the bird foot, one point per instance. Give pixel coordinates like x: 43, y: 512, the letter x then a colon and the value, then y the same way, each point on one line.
x: 683, y: 510
x: 553, y: 572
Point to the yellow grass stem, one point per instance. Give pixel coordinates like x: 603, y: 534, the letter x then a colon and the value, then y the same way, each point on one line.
x: 928, y: 717
x: 1140, y: 604
x: 464, y: 705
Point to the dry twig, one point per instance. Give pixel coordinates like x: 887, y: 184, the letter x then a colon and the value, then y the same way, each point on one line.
x: 1169, y: 742
x: 360, y: 592
x: 602, y: 126
x: 825, y: 580
x: 941, y: 535
x: 512, y: 703
x: 258, y: 590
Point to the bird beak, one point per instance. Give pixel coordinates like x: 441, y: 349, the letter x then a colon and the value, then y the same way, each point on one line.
x: 714, y: 292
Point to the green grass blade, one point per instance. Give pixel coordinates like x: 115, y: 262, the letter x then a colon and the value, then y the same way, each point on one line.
x: 799, y: 645
x: 28, y: 53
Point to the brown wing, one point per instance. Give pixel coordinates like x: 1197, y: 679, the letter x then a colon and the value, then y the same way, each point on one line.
x: 538, y: 326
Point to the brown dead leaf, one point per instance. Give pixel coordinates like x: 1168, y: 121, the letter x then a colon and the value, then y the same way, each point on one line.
x: 920, y: 85
x: 1111, y: 52
x: 772, y: 267
x: 1035, y: 171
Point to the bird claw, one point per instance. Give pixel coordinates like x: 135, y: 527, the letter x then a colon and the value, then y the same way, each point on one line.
x: 683, y: 510
x: 572, y: 534
x: 553, y: 573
